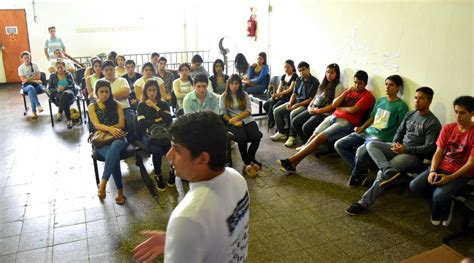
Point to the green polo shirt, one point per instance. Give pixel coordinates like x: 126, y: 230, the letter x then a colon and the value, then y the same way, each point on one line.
x: 191, y: 103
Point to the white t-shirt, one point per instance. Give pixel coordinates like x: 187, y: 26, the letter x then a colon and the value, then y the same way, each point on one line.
x: 211, y: 223
x: 118, y: 84
x: 67, y: 62
x: 26, y: 71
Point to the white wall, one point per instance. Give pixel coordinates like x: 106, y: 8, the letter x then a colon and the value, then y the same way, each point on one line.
x: 428, y: 43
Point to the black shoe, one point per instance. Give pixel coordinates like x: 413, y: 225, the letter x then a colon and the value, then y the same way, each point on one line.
x: 286, y: 166
x: 390, y: 176
x: 160, y: 184
x: 271, y: 124
x: 368, y: 181
x: 171, y: 179
x: 356, y: 209
x: 355, y: 181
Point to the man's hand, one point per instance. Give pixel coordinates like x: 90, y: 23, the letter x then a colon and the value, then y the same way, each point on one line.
x: 358, y: 130
x: 238, y: 124
x: 431, y: 177
x: 398, y: 148
x: 60, y: 88
x: 151, y: 248
x: 442, y: 179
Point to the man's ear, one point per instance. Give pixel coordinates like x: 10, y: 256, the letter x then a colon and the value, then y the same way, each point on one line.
x: 204, y: 159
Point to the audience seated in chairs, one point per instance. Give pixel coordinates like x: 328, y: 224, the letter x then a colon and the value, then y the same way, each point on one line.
x: 106, y: 114
x: 62, y: 91
x: 236, y: 111
x: 31, y: 83
x: 414, y: 141
x: 283, y: 93
x: 152, y: 113
x: 219, y: 79
x: 303, y: 93
x: 350, y: 106
x: 69, y: 66
x: 383, y: 122
x: 256, y: 81
x: 452, y: 165
x: 148, y: 72
x: 182, y: 86
x: 95, y: 75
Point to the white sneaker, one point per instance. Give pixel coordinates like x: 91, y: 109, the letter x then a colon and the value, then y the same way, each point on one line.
x: 450, y: 216
x: 278, y: 136
x: 40, y: 109
x: 299, y: 148
x: 290, y: 142
x: 59, y: 117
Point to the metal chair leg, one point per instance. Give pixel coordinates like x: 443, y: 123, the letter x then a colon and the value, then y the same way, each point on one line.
x: 96, y: 171
x: 79, y: 108
x: 51, y: 112
x: 145, y: 177
x: 24, y: 103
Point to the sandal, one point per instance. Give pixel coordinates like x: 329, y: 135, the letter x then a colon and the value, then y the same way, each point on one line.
x: 101, y: 194
x: 119, y: 201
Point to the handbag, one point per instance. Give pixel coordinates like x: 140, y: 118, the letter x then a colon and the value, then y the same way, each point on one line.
x: 158, y: 134
x: 100, y: 139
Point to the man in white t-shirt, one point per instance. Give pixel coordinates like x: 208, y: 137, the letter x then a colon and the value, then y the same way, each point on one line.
x: 211, y: 223
x: 60, y: 56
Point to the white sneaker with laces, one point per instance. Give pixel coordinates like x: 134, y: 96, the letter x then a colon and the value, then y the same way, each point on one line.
x: 450, y: 216
x: 59, y: 117
x: 290, y: 142
x: 278, y: 136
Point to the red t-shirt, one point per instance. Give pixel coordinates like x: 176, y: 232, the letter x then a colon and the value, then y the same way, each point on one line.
x: 458, y: 147
x: 364, y: 100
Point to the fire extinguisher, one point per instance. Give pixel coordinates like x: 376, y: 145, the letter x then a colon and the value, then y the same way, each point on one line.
x: 252, y: 26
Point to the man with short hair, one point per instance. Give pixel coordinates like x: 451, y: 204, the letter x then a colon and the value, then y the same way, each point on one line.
x: 166, y: 75
x: 304, y: 91
x: 211, y: 223
x: 58, y: 55
x: 131, y: 77
x: 382, y: 124
x: 351, y: 107
x: 201, y: 99
x: 53, y: 43
x: 154, y: 60
x: 452, y: 165
x: 414, y: 141
x: 196, y: 67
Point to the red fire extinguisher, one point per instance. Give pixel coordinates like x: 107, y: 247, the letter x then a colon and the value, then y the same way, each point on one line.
x: 252, y: 26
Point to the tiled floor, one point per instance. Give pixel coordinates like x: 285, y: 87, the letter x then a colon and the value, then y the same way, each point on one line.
x: 49, y: 211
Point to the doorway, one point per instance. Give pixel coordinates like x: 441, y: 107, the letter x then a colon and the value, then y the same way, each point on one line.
x: 13, y: 40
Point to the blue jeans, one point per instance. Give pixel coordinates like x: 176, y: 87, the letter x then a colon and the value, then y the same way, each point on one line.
x: 258, y: 88
x: 353, y: 150
x: 111, y: 154
x: 440, y: 195
x: 157, y: 152
x: 334, y: 128
x: 32, y: 92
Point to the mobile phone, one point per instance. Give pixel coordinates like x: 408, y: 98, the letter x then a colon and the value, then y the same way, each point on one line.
x: 436, y: 179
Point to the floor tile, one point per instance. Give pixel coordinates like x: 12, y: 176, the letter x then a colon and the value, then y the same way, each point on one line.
x: 69, y: 233
x: 37, y: 255
x: 74, y: 251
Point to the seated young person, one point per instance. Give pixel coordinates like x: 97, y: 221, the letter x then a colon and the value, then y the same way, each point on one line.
x: 211, y: 223
x: 414, y: 141
x: 120, y: 69
x: 196, y: 67
x: 106, y: 114
x: 62, y: 91
x: 384, y: 120
x: 151, y: 110
x: 236, y: 110
x: 166, y: 75
x: 302, y: 95
x: 219, y: 79
x: 182, y: 85
x: 283, y: 92
x: 452, y: 165
x: 59, y: 56
x: 131, y: 76
x: 200, y: 98
x: 94, y: 77
x: 31, y: 84
x: 148, y: 72
x: 256, y: 81
x: 350, y: 107
x: 241, y: 65
x: 304, y: 123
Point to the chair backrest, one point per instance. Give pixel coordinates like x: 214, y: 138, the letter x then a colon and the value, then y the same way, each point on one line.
x: 79, y: 75
x: 273, y: 84
x: 43, y: 78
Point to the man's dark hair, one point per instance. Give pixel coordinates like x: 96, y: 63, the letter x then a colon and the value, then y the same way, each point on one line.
x: 303, y: 64
x: 202, y: 132
x: 162, y: 59
x: 154, y: 54
x: 362, y: 75
x: 196, y: 59
x: 51, y: 27
x: 108, y: 63
x: 129, y: 61
x: 396, y: 79
x: 201, y: 78
x: 427, y: 91
x: 466, y: 102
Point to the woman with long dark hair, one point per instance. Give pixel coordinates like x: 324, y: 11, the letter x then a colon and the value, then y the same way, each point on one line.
x: 219, y: 79
x: 150, y: 111
x: 258, y: 76
x: 106, y: 114
x: 235, y: 108
x: 62, y: 91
